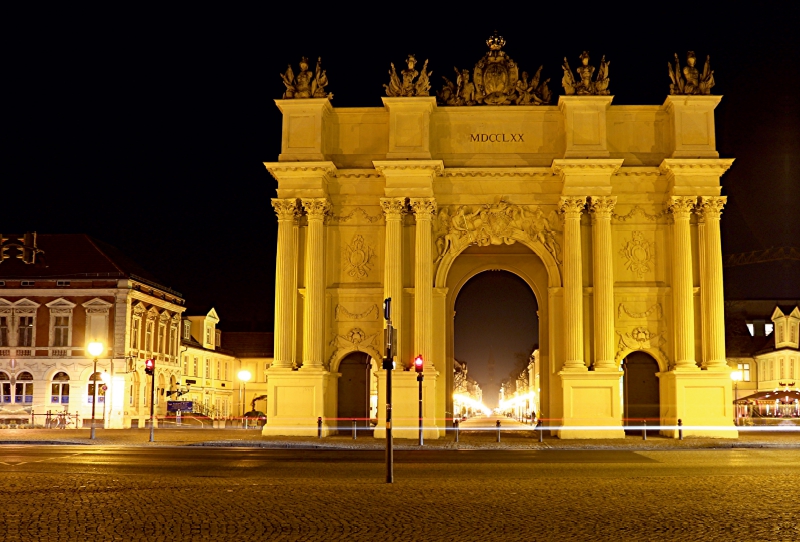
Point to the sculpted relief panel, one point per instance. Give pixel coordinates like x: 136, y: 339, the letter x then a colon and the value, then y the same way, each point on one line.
x: 358, y: 258
x: 494, y: 224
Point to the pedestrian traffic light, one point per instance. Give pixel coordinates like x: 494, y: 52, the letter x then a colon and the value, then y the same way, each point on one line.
x: 418, y: 363
x: 149, y: 366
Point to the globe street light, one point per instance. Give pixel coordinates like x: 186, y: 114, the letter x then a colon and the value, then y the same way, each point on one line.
x: 244, y: 376
x: 736, y: 376
x: 95, y: 349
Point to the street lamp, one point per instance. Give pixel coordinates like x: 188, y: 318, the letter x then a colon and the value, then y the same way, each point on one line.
x: 106, y: 381
x: 95, y: 349
x: 244, y: 376
x: 736, y: 376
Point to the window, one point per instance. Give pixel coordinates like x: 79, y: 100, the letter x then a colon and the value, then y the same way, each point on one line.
x: 59, y: 389
x: 27, y: 283
x: 162, y: 330
x: 226, y: 371
x: 219, y: 365
x: 173, y: 340
x: 135, y: 332
x: 96, y: 379
x: 768, y: 329
x: 791, y: 369
x: 186, y: 365
x: 218, y: 338
x: 745, y: 368
x: 208, y: 336
x: 782, y: 376
x: 4, y: 331
x: 194, y: 371
x: 187, y: 330
x: 5, y: 388
x: 208, y: 368
x: 61, y: 331
x: 25, y: 331
x: 23, y: 389
x: 148, y: 336
x: 62, y: 283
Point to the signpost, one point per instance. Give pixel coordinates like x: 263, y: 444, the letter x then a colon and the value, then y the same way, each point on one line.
x: 388, y: 365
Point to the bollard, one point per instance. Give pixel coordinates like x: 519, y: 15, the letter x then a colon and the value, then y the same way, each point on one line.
x: 354, y: 429
x: 680, y: 429
x: 319, y: 427
x: 455, y: 426
x: 541, y: 430
x: 498, y: 430
x: 644, y: 429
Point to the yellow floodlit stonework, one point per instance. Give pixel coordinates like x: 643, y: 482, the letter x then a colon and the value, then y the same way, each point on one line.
x: 609, y: 213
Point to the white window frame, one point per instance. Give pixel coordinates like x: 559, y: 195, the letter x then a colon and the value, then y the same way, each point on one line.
x: 745, y: 369
x: 60, y: 308
x: 187, y: 330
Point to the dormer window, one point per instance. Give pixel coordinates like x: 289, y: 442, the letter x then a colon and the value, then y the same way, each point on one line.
x: 187, y: 330
x: 218, y: 338
x: 208, y: 336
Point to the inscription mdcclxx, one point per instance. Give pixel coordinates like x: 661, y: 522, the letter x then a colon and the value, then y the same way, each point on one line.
x: 496, y: 138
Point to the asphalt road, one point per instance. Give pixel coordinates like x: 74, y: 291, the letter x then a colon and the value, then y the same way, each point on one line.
x: 199, y: 493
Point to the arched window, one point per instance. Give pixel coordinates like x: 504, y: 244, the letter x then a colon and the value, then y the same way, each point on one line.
x: 59, y: 388
x: 23, y: 389
x: 97, y: 379
x: 5, y: 387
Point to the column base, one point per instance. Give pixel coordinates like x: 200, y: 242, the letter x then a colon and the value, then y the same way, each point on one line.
x: 592, y: 405
x: 297, y: 399
x: 702, y: 400
x: 405, y: 406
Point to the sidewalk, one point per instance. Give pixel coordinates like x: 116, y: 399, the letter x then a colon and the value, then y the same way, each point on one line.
x: 468, y: 440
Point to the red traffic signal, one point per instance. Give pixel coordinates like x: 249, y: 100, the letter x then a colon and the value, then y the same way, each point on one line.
x: 418, y: 363
x: 149, y: 366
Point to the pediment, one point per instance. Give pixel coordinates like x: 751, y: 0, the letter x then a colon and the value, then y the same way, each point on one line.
x: 60, y: 303
x: 777, y: 313
x: 212, y: 315
x: 139, y: 309
x: 97, y: 305
x: 795, y: 313
x: 26, y: 303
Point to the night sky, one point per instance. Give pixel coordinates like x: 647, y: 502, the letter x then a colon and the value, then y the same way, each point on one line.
x: 148, y: 129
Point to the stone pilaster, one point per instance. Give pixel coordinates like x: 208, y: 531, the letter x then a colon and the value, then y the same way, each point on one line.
x: 711, y: 282
x: 601, y: 208
x: 285, y: 264
x: 424, y: 210
x: 572, y: 207
x: 682, y: 285
x: 314, y: 313
x: 701, y: 242
x: 393, y: 210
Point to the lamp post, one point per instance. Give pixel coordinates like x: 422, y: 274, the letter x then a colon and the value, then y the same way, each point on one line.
x: 244, y: 376
x: 736, y: 376
x: 95, y: 349
x: 105, y: 379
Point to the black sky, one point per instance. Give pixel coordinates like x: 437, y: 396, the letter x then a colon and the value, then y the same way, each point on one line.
x: 147, y: 129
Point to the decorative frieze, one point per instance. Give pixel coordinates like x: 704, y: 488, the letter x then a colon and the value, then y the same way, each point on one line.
x: 639, y: 254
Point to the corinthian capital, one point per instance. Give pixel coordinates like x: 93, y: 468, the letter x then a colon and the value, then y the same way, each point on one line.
x: 681, y: 206
x: 424, y: 208
x: 602, y: 206
x: 316, y: 208
x: 711, y: 206
x: 572, y: 206
x: 286, y: 209
x: 393, y: 208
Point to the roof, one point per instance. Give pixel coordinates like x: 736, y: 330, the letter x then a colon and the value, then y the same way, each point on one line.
x: 74, y: 256
x: 250, y: 344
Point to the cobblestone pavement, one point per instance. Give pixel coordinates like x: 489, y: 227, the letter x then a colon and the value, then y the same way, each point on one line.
x: 80, y: 493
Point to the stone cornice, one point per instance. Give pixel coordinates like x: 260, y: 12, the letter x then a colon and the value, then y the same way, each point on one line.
x: 499, y: 172
x: 695, y: 166
x: 409, y: 167
x: 577, y: 166
x: 293, y: 170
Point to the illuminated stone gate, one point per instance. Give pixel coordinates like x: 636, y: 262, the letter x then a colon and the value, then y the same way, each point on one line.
x: 610, y: 213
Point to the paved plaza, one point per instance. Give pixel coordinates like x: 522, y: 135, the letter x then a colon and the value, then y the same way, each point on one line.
x: 168, y: 492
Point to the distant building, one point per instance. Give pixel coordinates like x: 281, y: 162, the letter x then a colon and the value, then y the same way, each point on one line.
x: 254, y: 353
x: 57, y: 294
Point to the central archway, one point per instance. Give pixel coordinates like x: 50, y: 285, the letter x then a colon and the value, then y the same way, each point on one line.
x: 534, y: 265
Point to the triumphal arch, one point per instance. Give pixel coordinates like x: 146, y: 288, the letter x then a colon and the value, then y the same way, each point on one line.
x: 611, y: 214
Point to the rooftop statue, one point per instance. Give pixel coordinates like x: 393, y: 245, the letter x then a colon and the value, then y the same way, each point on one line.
x: 585, y: 86
x: 694, y: 82
x: 495, y: 81
x: 408, y: 87
x: 306, y: 84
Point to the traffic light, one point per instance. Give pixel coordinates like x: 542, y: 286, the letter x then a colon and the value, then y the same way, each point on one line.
x: 149, y: 366
x: 418, y: 363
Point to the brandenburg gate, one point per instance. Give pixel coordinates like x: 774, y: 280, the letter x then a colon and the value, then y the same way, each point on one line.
x: 611, y: 214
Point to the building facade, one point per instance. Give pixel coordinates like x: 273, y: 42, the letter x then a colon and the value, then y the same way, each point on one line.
x: 609, y: 213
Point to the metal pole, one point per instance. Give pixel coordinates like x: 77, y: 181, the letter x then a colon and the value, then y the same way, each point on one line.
x: 498, y: 430
x: 94, y: 395
x: 644, y: 429
x: 419, y: 379
x: 735, y: 405
x: 541, y: 432
x: 354, y: 429
x: 319, y: 427
x: 387, y: 366
x: 455, y: 425
x: 152, y: 405
x: 680, y: 429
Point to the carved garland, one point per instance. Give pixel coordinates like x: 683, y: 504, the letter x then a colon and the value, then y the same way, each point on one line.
x: 654, y: 309
x: 342, y: 314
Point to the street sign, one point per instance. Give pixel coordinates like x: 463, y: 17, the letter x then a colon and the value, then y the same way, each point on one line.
x: 183, y: 406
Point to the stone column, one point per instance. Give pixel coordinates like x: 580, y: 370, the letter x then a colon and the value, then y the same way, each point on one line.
x: 572, y: 207
x: 601, y: 208
x: 314, y: 310
x: 393, y: 210
x: 424, y: 210
x: 287, y: 212
x: 711, y: 282
x: 682, y: 285
x: 701, y: 242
